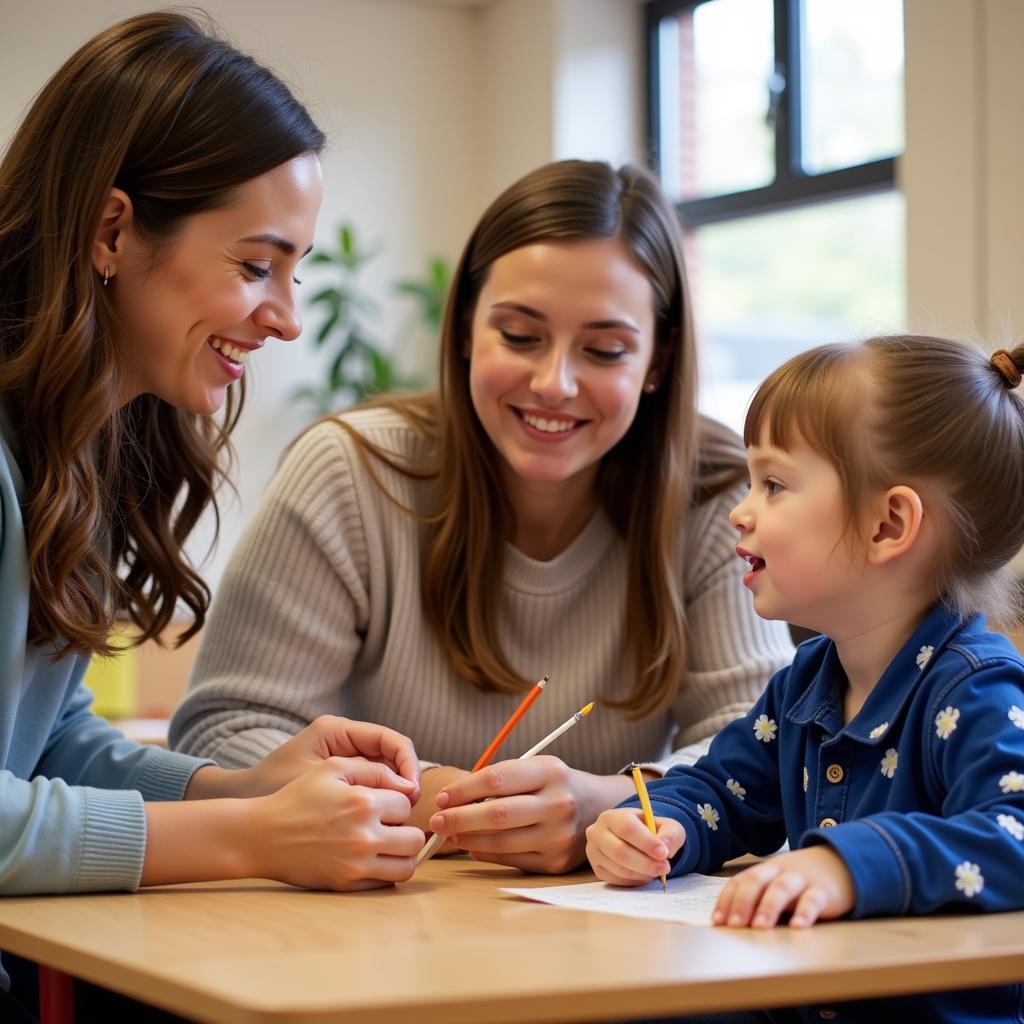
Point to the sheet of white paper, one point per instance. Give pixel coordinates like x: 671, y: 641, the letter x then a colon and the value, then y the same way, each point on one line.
x: 690, y: 898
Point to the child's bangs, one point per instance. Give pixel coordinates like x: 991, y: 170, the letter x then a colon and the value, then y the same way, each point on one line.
x: 811, y: 399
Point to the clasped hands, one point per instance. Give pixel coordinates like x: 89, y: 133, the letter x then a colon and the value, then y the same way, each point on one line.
x: 329, y: 808
x: 342, y: 806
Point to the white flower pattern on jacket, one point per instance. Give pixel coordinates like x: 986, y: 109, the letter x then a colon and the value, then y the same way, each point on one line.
x: 924, y: 655
x: 969, y: 879
x: 878, y: 730
x: 1012, y: 782
x: 888, y: 763
x: 765, y: 728
x: 1016, y: 715
x: 945, y: 722
x: 1012, y: 825
x: 710, y: 815
x: 736, y: 789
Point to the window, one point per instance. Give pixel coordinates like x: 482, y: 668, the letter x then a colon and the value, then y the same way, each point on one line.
x: 774, y: 127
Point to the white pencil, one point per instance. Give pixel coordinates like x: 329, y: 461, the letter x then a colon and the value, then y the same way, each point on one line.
x: 577, y: 716
x: 434, y: 842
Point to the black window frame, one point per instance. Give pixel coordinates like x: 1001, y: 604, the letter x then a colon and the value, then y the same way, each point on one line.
x: 792, y: 186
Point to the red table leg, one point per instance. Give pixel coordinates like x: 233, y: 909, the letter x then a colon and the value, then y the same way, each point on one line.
x: 56, y: 997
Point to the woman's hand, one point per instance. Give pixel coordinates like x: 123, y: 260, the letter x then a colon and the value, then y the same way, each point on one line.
x: 814, y: 883
x: 339, y: 826
x: 327, y: 736
x: 530, y: 814
x: 622, y: 850
x: 432, y: 780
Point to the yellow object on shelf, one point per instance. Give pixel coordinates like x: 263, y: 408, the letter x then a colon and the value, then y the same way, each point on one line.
x: 114, y: 680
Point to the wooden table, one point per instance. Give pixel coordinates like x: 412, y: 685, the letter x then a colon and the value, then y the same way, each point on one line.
x: 448, y: 946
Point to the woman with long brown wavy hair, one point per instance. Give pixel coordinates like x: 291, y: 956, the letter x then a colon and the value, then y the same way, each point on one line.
x: 558, y: 507
x: 154, y: 204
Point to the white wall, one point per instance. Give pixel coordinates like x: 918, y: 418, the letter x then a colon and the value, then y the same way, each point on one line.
x: 517, y: 81
x: 561, y: 79
x: 963, y: 167
x: 599, y: 81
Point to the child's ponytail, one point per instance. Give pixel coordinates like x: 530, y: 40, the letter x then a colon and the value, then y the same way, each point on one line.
x: 1009, y: 364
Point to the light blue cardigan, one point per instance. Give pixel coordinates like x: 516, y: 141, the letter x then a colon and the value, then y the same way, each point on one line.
x: 71, y: 787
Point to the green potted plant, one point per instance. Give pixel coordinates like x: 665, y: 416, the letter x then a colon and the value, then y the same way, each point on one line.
x: 359, y: 365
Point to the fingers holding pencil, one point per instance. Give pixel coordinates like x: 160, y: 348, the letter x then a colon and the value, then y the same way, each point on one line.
x: 645, y: 805
x: 622, y: 850
x: 436, y: 840
x: 527, y: 813
x: 503, y: 780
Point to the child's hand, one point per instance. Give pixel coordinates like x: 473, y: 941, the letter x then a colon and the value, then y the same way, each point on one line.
x: 332, y: 736
x: 622, y: 850
x: 814, y: 883
x: 338, y: 826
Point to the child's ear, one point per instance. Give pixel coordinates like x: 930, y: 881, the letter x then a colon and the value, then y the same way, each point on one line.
x: 897, y: 523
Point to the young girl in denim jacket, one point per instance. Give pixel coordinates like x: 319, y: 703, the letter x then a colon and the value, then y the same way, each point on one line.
x: 887, y: 480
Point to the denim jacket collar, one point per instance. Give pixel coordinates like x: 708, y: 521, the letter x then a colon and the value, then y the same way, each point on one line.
x: 822, y: 701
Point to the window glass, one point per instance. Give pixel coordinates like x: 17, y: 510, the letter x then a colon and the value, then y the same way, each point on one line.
x: 716, y: 62
x: 852, y: 64
x: 769, y: 286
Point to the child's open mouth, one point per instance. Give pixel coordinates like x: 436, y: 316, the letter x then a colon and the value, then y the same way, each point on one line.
x: 756, y: 563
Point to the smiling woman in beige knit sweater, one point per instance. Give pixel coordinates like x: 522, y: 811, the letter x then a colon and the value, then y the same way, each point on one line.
x: 558, y: 506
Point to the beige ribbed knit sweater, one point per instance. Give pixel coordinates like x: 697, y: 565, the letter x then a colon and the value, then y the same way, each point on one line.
x: 320, y: 612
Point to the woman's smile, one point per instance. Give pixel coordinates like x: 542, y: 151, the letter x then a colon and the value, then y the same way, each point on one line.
x: 548, y: 427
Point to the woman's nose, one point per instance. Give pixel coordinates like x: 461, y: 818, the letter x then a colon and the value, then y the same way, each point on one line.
x: 554, y: 379
x: 280, y: 317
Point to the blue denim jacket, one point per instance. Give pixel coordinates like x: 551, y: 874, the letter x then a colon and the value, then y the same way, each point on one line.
x: 921, y: 794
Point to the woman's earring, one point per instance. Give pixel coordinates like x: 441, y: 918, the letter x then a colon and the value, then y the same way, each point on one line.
x: 106, y: 274
x: 650, y: 387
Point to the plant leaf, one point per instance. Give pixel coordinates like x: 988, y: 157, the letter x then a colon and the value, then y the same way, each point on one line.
x: 326, y: 328
x: 383, y: 371
x: 329, y: 295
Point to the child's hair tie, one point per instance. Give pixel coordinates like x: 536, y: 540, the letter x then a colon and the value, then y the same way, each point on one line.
x: 1003, y: 362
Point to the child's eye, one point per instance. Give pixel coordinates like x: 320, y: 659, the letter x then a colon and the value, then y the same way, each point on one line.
x: 772, y: 487
x: 260, y: 273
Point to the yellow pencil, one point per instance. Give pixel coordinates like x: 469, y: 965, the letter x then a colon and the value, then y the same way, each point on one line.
x: 645, y: 803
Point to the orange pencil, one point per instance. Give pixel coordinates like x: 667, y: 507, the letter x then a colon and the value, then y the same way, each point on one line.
x: 435, y: 841
x: 485, y: 758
